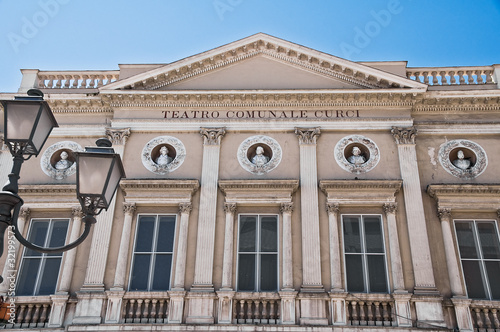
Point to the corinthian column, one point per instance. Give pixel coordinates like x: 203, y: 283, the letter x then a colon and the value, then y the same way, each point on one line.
x: 203, y: 269
x: 415, y: 217
x: 227, y: 267
x: 70, y: 255
x: 180, y: 262
x: 396, y: 266
x: 121, y: 262
x: 335, y: 267
x: 311, y: 256
x: 286, y: 211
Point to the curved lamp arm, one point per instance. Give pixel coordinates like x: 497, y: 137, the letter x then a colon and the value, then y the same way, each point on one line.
x: 88, y: 220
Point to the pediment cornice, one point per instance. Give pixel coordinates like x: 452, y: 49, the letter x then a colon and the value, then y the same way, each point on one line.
x: 57, y: 196
x: 466, y: 197
x: 258, y: 192
x: 268, y: 46
x: 360, y: 192
x: 151, y: 192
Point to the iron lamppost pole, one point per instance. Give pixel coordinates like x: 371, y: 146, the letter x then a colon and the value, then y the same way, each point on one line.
x: 28, y: 123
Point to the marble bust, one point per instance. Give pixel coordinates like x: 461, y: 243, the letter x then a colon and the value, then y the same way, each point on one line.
x: 63, y: 162
x: 163, y: 159
x: 260, y: 159
x: 461, y: 162
x: 356, y: 158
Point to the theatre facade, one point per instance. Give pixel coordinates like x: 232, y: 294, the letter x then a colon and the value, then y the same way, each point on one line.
x: 268, y: 186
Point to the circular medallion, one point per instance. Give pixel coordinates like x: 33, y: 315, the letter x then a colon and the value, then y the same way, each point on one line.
x: 356, y: 154
x: 58, y: 161
x: 463, y: 158
x: 163, y: 154
x: 259, y: 154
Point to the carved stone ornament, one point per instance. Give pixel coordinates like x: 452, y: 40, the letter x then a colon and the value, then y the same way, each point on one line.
x: 286, y: 207
x: 230, y: 207
x: 332, y: 207
x: 404, y: 135
x: 129, y: 208
x: 469, y: 173
x: 77, y: 212
x: 247, y: 164
x: 346, y: 142
x: 444, y: 214
x: 307, y: 135
x: 25, y: 213
x: 185, y: 208
x: 390, y: 207
x: 48, y: 164
x: 212, y: 136
x: 118, y: 136
x: 151, y: 165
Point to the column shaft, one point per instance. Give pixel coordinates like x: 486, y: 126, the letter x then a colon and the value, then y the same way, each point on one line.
x: 227, y: 267
x: 70, y: 255
x: 449, y: 249
x: 286, y: 211
x: 335, y: 266
x: 396, y: 266
x: 180, y: 262
x: 121, y: 262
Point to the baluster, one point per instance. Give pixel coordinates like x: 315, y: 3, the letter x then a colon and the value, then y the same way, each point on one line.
x: 152, y: 315
x: 249, y: 311
x: 444, y: 80
x: 265, y: 314
x: 256, y: 311
x: 489, y: 78
x: 66, y: 79
x: 167, y: 305
x: 362, y: 316
x: 21, y: 312
x: 41, y: 82
x: 160, y: 311
x: 44, y: 316
x: 123, y: 311
x: 385, y: 314
x: 58, y: 83
x: 354, y: 313
x: 470, y: 78
x: 378, y: 316
x: 453, y: 80
x: 235, y: 317
x: 272, y: 314
x: 242, y: 310
x: 369, y: 308
x: 479, y: 79
x: 92, y: 81
x: 145, y: 311
x: 100, y: 80
x: 487, y: 320
x: 479, y: 319
x: 409, y: 74
x: 71, y: 81
x: 84, y: 82
x: 131, y: 309
x: 426, y: 77
x: 496, y: 323
x: 434, y: 78
x: 29, y: 312
x: 137, y: 318
x: 461, y: 79
x: 36, y: 314
x: 417, y: 76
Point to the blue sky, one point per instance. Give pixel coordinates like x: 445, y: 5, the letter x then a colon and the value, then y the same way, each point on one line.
x: 95, y: 35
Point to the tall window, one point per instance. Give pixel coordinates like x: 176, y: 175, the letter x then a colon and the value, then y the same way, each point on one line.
x: 258, y: 253
x: 364, y: 251
x: 152, y: 260
x: 39, y: 272
x: 479, y: 248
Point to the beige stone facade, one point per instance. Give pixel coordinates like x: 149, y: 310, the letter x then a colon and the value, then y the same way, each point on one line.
x: 264, y: 216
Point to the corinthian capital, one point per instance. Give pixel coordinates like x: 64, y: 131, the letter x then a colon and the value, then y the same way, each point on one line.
x: 307, y: 135
x: 25, y: 213
x: 332, y: 207
x: 444, y: 214
x: 185, y: 208
x: 76, y: 212
x: 212, y: 136
x: 118, y: 136
x: 129, y: 208
x: 390, y: 207
x: 229, y: 207
x: 404, y: 135
x: 286, y: 207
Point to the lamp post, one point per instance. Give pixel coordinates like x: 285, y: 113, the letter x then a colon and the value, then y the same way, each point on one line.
x: 28, y: 123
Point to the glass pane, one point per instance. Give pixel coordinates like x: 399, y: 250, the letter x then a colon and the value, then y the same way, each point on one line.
x: 38, y: 234
x: 49, y: 276
x: 27, y: 277
x: 268, y: 273
x: 93, y: 172
x: 352, y: 241
x: 373, y: 234
x: 166, y: 232
x: 465, y: 238
x: 58, y: 235
x: 269, y: 234
x: 248, y: 227
x: 354, y: 273
x: 493, y: 272
x: 377, y: 278
x: 489, y: 240
x: 473, y: 279
x: 144, y: 237
x: 43, y: 129
x: 246, y: 272
x: 21, y: 119
x: 161, y: 273
x: 140, y: 272
x: 114, y: 179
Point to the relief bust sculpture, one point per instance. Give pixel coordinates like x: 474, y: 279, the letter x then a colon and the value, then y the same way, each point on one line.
x: 63, y: 163
x: 461, y: 162
x: 260, y: 159
x: 356, y: 158
x: 163, y: 159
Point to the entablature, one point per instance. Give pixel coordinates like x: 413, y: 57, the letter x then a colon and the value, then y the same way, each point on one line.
x: 360, y: 192
x: 258, y: 192
x: 466, y: 197
x: 152, y: 192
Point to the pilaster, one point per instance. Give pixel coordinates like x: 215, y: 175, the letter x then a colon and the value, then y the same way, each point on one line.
x: 396, y: 266
x: 286, y: 212
x: 227, y: 267
x: 335, y: 266
x: 180, y: 262
x: 311, y: 256
x: 70, y: 255
x: 121, y: 262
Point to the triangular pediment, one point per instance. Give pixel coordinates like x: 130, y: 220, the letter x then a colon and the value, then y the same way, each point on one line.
x: 263, y: 62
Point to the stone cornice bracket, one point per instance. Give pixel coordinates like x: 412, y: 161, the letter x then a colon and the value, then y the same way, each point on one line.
x: 129, y: 208
x: 76, y: 212
x: 390, y: 207
x: 404, y: 135
x: 307, y: 135
x: 118, y: 136
x: 286, y: 207
x: 25, y: 212
x: 332, y: 207
x: 229, y: 207
x: 185, y: 208
x: 212, y: 136
x: 444, y: 214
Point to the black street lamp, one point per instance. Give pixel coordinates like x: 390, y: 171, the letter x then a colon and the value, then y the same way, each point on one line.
x: 28, y: 123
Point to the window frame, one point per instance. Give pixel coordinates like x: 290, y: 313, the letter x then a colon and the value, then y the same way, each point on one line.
x: 257, y: 286
x: 43, y: 256
x: 481, y: 259
x: 153, y: 253
x: 364, y: 253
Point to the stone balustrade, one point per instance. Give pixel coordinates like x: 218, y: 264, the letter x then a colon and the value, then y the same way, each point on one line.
x: 256, y: 308
x: 145, y: 307
x: 31, y: 312
x: 76, y: 80
x: 485, y: 316
x: 451, y: 75
x: 370, y: 310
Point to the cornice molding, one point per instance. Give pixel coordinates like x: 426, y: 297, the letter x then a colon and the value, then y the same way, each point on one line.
x: 360, y: 192
x: 151, y: 192
x: 49, y: 196
x: 258, y: 192
x: 258, y: 185
x: 466, y: 197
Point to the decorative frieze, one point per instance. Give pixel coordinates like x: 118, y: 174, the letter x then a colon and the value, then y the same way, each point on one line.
x: 404, y: 135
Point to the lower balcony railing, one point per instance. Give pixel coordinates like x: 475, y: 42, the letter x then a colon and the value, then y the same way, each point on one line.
x: 256, y: 308
x: 370, y: 310
x: 485, y: 316
x: 31, y: 312
x: 145, y: 307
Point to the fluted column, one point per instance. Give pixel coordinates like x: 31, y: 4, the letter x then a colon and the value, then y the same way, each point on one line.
x: 396, y: 266
x: 335, y: 266
x: 311, y: 256
x: 122, y: 260
x: 449, y: 250
x: 227, y: 267
x: 70, y: 255
x: 286, y: 212
x: 180, y: 262
x: 203, y: 270
x: 22, y: 220
x: 415, y: 217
